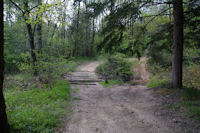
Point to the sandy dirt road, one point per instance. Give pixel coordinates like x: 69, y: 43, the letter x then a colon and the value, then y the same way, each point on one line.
x: 118, y: 109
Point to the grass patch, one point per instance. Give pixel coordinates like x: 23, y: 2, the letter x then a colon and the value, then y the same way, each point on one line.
x: 110, y: 83
x: 189, y: 99
x: 37, y: 110
x: 75, y: 90
x: 194, y: 80
x: 165, y: 91
x: 191, y: 94
x: 76, y: 98
x: 39, y: 104
x: 193, y: 108
x: 157, y: 81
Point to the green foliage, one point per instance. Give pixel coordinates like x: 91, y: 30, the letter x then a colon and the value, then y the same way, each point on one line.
x: 193, y: 108
x: 194, y: 80
x: 191, y: 56
x: 116, y: 20
x: 82, y: 33
x: 14, y: 42
x: 162, y: 63
x: 157, y: 81
x: 188, y: 99
x: 191, y: 101
x: 191, y: 93
x: 103, y: 57
x: 49, y: 68
x: 110, y: 83
x: 117, y: 67
x: 75, y: 90
x: 34, y: 105
x: 37, y: 110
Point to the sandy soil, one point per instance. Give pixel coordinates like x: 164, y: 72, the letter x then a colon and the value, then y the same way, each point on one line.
x: 89, y: 67
x: 141, y: 74
x: 119, y: 109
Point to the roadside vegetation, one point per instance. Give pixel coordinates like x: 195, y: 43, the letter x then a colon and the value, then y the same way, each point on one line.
x: 116, y: 69
x: 39, y: 103
x: 38, y: 109
x: 188, y: 97
x: 111, y: 83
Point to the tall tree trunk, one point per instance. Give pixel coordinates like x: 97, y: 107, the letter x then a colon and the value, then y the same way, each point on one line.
x: 177, y: 58
x: 4, y: 126
x: 30, y: 39
x: 39, y: 30
x: 86, y: 30
x: 64, y: 25
x: 77, y: 31
x: 93, y: 35
x: 32, y: 46
x: 102, y: 24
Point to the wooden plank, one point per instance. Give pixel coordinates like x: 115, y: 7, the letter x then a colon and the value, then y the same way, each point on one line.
x: 84, y: 80
x: 82, y: 83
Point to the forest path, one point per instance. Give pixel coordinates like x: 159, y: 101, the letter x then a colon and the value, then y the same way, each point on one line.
x: 118, y: 109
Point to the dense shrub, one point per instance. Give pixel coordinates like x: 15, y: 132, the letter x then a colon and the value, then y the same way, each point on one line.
x: 157, y: 66
x: 49, y: 68
x: 11, y: 63
x: 117, y: 67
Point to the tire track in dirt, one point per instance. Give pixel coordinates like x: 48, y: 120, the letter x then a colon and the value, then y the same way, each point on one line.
x: 120, y: 109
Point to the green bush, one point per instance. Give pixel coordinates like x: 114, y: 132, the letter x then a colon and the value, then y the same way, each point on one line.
x: 49, y: 68
x: 37, y: 110
x: 10, y: 63
x: 117, y: 67
x: 156, y: 67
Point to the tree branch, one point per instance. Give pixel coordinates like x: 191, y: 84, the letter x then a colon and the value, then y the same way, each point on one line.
x: 17, y: 6
x: 156, y: 16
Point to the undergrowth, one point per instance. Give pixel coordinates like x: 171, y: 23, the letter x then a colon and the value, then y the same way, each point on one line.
x: 37, y: 110
x: 117, y: 67
x: 110, y: 83
x: 188, y: 97
x: 157, y: 81
x: 193, y: 109
x: 39, y: 103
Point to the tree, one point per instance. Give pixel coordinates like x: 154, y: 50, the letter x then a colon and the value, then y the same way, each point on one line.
x: 86, y: 29
x: 4, y: 126
x: 39, y: 28
x: 26, y: 16
x: 30, y: 31
x: 77, y: 28
x: 116, y: 23
x: 177, y: 58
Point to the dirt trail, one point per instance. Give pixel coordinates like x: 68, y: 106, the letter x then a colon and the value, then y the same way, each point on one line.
x: 120, y: 109
x: 141, y: 74
x: 89, y: 67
